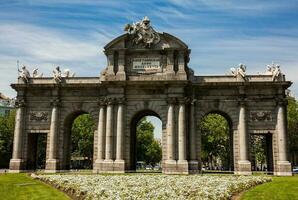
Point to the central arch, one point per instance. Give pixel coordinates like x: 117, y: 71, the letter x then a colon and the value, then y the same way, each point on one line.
x: 227, y: 121
x: 133, y: 135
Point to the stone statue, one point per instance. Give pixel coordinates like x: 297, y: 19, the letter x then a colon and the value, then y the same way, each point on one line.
x: 35, y: 73
x: 241, y: 70
x: 143, y: 32
x: 25, y: 74
x: 57, y: 75
x: 67, y: 73
x: 274, y: 71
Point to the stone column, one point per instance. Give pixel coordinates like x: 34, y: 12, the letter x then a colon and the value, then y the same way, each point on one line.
x: 182, y: 164
x: 16, y: 162
x: 101, y: 132
x: 283, y: 165
x: 243, y: 163
x: 51, y: 163
x: 120, y: 132
x: 171, y: 131
x: 181, y: 133
x: 119, y: 164
x: 109, y: 131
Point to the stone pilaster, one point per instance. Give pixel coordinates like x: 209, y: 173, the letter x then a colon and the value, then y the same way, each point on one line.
x: 120, y: 75
x: 170, y: 73
x: 170, y: 163
x: 101, y: 133
x: 193, y: 164
x: 52, y: 161
x: 181, y: 66
x: 283, y: 167
x: 17, y: 163
x: 110, y: 61
x: 244, y: 165
x: 119, y: 162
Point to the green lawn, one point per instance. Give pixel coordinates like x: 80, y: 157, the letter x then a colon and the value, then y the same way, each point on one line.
x: 279, y: 188
x: 22, y: 187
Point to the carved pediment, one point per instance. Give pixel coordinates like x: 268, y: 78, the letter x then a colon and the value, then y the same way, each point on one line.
x: 126, y: 41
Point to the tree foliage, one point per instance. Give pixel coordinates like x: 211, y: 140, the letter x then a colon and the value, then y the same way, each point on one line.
x: 258, y: 149
x: 82, y: 137
x: 293, y: 129
x: 6, y: 138
x: 215, y: 140
x: 148, y: 148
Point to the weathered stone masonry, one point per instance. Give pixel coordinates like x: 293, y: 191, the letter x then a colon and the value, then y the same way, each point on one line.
x: 149, y: 78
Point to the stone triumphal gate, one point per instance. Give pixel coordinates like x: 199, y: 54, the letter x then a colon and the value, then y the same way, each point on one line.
x: 147, y: 73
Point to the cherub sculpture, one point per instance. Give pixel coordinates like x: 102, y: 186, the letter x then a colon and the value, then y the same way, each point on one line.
x: 274, y: 71
x: 57, y: 74
x: 67, y: 73
x: 35, y: 74
x: 24, y: 74
x: 241, y: 70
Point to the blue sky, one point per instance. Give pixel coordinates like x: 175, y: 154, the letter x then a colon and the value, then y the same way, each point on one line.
x: 221, y: 34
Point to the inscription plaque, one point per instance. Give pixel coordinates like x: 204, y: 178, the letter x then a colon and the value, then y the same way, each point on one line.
x: 146, y: 65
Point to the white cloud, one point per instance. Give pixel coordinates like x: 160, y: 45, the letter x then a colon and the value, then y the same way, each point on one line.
x: 45, y: 48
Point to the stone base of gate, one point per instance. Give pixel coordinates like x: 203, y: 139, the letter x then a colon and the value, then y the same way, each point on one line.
x: 52, y: 166
x: 109, y: 166
x: 244, y: 168
x: 175, y: 167
x: 16, y: 165
x: 283, y: 168
x: 193, y: 167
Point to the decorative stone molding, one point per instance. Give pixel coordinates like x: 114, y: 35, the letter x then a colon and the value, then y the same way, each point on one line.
x: 39, y: 116
x: 257, y: 116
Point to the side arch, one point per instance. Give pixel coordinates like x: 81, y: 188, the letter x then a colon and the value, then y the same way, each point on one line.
x: 66, y: 122
x: 228, y: 110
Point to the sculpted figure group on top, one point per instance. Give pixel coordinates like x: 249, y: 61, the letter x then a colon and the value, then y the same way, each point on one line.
x: 143, y: 32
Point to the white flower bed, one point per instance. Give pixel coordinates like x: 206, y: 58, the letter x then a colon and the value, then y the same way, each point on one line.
x: 152, y: 186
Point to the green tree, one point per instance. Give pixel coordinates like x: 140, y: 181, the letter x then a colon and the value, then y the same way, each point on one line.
x: 148, y: 149
x: 82, y: 137
x: 215, y: 140
x: 6, y: 138
x: 293, y: 130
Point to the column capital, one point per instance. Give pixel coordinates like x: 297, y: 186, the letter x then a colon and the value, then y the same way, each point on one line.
x: 171, y: 100
x: 120, y: 101
x: 110, y: 101
x: 242, y: 101
x: 193, y: 101
x: 101, y: 101
x: 184, y: 100
x: 55, y: 102
x: 20, y: 103
x: 281, y: 101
